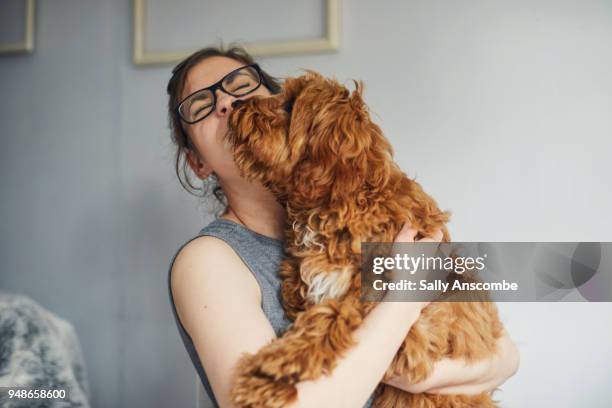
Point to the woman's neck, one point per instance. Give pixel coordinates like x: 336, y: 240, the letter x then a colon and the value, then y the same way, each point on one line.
x: 257, y: 209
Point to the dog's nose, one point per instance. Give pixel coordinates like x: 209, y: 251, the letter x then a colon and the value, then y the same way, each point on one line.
x: 237, y: 103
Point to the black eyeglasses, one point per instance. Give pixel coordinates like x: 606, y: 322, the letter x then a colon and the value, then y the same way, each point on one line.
x: 201, y: 103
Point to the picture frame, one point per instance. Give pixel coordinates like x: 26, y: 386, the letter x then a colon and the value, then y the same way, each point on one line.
x: 328, y: 42
x: 26, y: 44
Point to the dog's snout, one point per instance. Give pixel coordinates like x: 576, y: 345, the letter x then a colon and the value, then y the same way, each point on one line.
x: 237, y: 103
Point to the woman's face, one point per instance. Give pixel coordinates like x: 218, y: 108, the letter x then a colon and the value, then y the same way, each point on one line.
x: 208, y: 135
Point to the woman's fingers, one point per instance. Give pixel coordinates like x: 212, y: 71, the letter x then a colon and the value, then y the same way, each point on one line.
x: 436, y: 237
x: 406, y: 234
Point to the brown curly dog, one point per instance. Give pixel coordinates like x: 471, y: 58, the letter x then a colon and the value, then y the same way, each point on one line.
x: 316, y: 148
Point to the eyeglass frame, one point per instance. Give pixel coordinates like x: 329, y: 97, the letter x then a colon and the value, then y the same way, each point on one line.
x: 219, y: 85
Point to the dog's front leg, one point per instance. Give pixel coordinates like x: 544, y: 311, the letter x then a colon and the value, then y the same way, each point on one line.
x: 307, y: 350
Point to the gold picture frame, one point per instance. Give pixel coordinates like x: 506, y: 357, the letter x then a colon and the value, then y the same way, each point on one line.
x: 328, y: 43
x: 27, y: 45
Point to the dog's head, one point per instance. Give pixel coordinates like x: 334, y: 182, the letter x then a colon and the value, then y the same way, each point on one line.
x: 314, y: 141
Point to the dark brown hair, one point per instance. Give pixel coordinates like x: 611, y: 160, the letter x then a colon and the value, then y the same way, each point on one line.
x: 180, y: 139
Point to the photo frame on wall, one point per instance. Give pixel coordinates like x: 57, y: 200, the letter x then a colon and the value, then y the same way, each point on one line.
x: 16, y: 26
x: 143, y: 54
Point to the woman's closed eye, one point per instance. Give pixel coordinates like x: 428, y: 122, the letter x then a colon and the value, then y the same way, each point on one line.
x: 238, y: 81
x: 200, y: 103
x: 238, y: 86
x: 199, y: 108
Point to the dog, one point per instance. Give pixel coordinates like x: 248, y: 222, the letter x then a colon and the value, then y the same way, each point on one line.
x: 316, y: 148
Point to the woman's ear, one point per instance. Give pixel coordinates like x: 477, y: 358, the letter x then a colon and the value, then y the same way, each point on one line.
x: 198, y: 165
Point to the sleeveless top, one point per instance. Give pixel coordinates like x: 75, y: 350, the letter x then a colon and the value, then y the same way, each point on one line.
x: 262, y: 255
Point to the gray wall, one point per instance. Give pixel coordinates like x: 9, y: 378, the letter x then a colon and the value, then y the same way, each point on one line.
x: 501, y: 109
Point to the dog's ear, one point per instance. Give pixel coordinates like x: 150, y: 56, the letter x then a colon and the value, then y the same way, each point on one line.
x: 346, y: 150
x: 293, y: 86
x: 359, y: 107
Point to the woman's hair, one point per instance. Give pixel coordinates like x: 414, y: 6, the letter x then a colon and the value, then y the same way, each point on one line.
x: 180, y: 139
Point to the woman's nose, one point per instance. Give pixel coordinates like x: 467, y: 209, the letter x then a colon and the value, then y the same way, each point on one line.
x: 224, y: 103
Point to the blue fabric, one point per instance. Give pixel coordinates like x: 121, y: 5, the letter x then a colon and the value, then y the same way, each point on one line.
x: 263, y: 256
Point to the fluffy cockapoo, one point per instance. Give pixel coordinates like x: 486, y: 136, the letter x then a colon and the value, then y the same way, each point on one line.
x: 315, y: 146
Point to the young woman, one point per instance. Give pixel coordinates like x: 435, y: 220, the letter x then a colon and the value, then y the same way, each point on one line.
x: 223, y: 285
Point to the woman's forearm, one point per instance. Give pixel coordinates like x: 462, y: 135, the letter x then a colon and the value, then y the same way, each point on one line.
x: 360, y: 370
x: 458, y: 377
x: 495, y: 371
x: 446, y: 373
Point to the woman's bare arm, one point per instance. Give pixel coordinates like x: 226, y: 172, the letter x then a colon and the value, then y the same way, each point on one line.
x: 219, y: 304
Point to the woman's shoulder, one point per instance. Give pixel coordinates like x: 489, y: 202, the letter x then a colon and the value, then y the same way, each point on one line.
x: 210, y: 263
x: 200, y: 249
x: 204, y: 257
x: 206, y: 247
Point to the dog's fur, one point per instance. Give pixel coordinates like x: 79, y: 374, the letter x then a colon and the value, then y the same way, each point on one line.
x: 315, y: 147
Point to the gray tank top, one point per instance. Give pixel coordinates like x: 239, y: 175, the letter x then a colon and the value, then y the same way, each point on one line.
x: 263, y: 256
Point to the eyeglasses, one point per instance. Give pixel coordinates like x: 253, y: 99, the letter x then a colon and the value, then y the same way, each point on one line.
x: 201, y: 103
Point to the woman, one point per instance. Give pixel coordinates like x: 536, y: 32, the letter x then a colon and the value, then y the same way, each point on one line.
x: 223, y: 284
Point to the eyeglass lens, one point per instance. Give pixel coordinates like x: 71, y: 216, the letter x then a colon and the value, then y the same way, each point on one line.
x: 237, y: 83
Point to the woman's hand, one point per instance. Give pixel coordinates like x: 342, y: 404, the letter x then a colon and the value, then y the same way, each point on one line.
x: 407, y: 235
x: 458, y: 377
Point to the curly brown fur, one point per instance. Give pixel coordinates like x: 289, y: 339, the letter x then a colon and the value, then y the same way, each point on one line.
x: 315, y: 146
